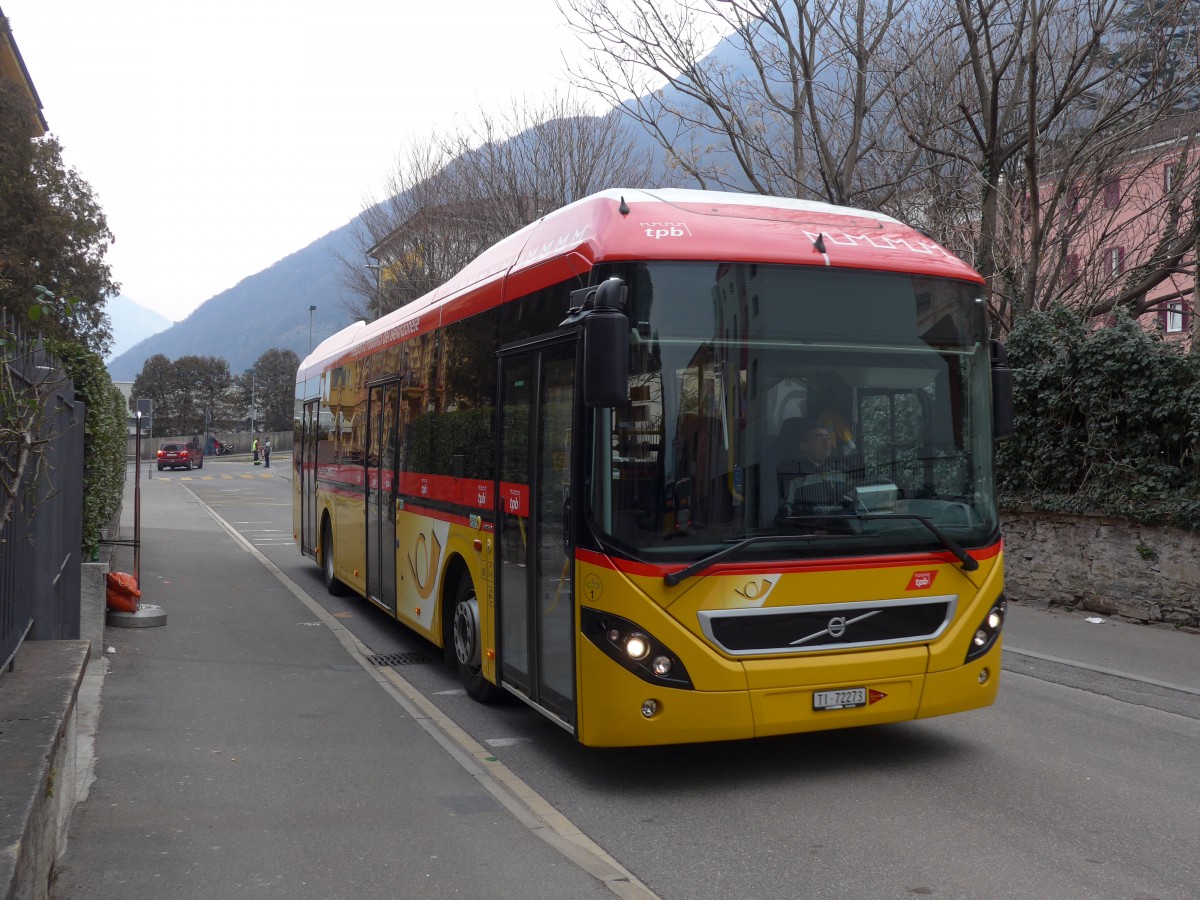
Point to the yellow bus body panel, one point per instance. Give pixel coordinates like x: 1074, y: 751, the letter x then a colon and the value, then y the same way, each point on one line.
x: 350, y: 553
x: 611, y: 703
x: 736, y: 697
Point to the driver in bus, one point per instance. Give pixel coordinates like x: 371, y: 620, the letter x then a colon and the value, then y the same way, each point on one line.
x: 815, y: 482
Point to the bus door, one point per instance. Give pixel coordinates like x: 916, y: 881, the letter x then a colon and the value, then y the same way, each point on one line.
x: 306, y: 466
x: 534, y: 575
x: 382, y: 491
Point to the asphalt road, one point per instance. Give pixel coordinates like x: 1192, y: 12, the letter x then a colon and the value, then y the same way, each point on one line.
x: 1078, y: 783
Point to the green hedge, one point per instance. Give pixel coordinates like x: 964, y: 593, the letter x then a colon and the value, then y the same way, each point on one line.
x: 1107, y: 419
x: 104, y: 437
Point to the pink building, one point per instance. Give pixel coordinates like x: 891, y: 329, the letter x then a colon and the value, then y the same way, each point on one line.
x: 1120, y: 238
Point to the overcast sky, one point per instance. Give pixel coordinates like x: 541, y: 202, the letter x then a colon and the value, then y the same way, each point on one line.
x: 223, y: 136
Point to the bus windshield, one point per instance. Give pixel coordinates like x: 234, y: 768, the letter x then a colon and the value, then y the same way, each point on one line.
x: 848, y: 409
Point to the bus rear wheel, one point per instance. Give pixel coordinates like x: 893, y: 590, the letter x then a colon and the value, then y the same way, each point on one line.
x: 332, y: 584
x: 468, y: 644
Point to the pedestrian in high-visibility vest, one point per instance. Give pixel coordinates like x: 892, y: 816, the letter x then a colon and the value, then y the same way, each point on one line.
x: 254, y: 450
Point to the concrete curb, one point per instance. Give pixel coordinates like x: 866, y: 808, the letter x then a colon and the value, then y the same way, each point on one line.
x: 39, y: 776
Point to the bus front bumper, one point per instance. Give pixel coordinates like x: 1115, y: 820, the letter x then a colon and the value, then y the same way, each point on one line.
x: 612, y: 712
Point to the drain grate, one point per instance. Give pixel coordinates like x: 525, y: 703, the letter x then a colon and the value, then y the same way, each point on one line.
x: 415, y: 658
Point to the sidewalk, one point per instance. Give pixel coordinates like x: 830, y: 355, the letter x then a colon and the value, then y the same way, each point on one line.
x: 1153, y: 654
x: 243, y: 752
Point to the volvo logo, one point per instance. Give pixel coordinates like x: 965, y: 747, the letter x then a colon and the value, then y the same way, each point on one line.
x: 836, y: 628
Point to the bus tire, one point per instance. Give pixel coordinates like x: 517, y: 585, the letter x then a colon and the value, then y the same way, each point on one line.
x: 468, y: 649
x: 332, y: 584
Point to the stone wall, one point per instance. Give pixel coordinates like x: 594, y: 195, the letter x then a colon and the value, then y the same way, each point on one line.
x: 1103, y: 564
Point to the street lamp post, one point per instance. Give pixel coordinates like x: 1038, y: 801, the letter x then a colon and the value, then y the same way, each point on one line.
x: 137, y: 501
x: 311, y: 310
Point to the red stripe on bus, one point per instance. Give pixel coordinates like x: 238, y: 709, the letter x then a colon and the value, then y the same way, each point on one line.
x: 473, y: 493
x: 843, y: 564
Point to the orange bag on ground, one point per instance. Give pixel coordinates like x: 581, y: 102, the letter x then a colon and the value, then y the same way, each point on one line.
x: 122, y: 593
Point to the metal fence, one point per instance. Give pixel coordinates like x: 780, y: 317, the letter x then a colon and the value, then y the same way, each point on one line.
x: 40, y: 543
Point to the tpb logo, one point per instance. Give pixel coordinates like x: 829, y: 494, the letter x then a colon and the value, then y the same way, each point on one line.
x: 921, y: 580
x: 660, y: 230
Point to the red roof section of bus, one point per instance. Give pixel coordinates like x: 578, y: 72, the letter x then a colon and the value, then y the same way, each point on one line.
x: 658, y: 225
x: 709, y: 225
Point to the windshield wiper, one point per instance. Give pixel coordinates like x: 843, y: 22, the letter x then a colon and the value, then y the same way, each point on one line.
x: 969, y: 563
x: 673, y: 578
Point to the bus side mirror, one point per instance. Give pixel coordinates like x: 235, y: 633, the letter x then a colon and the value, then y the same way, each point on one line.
x: 606, y: 348
x: 1002, y: 393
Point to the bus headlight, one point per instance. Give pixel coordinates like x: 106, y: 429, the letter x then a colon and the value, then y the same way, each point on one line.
x: 634, y: 648
x: 637, y: 646
x: 988, y: 631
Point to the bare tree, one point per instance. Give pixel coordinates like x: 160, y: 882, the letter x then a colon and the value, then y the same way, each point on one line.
x: 997, y: 125
x: 1044, y: 111
x: 786, y: 98
x: 452, y: 195
x: 395, y: 225
x: 531, y: 160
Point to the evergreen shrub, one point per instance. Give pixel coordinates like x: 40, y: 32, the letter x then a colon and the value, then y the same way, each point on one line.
x: 105, y: 435
x: 1107, y: 420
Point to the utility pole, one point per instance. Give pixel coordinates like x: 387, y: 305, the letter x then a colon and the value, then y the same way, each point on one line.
x: 311, y: 310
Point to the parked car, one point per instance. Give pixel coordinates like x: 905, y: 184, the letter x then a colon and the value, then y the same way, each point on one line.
x: 174, y: 454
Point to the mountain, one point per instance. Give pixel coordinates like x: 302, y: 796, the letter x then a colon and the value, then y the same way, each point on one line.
x: 265, y: 311
x: 132, y: 323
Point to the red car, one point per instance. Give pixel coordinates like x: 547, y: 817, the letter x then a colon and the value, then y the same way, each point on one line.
x: 175, y: 454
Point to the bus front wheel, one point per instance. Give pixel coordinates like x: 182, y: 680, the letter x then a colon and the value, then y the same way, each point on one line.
x: 332, y: 584
x: 468, y: 643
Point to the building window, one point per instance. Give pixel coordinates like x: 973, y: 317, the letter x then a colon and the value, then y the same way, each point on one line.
x: 1073, y: 266
x: 1173, y: 317
x: 1116, y: 260
x: 1168, y: 178
x: 1112, y: 193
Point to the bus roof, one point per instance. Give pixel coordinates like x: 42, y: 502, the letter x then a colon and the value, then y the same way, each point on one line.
x: 668, y: 224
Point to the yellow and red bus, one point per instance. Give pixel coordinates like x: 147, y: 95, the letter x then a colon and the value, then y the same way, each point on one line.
x: 573, y: 467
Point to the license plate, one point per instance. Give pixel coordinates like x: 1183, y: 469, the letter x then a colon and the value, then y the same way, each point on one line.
x: 844, y: 698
